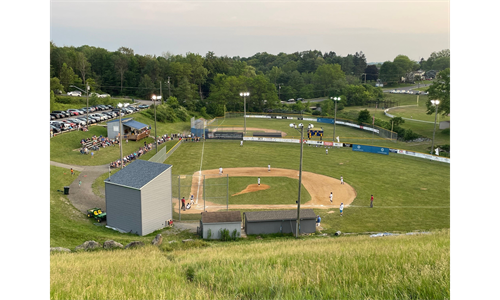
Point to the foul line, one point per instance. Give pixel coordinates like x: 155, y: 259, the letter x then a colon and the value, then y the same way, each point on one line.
x: 199, y: 177
x: 399, y: 206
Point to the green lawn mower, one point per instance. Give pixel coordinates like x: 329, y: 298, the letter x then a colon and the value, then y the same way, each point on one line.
x: 93, y: 212
x: 100, y: 217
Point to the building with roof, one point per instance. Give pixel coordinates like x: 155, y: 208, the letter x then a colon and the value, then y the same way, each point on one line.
x: 132, y: 130
x: 139, y: 197
x: 279, y: 221
x: 216, y: 221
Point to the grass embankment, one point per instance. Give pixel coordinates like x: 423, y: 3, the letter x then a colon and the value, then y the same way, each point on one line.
x: 360, y: 267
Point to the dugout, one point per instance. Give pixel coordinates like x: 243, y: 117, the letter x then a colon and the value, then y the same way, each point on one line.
x: 139, y: 197
x: 279, y: 221
x: 215, y: 221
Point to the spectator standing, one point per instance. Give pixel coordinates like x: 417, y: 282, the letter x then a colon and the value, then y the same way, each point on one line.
x: 183, y: 204
x: 72, y: 172
x: 371, y: 202
x: 318, y: 221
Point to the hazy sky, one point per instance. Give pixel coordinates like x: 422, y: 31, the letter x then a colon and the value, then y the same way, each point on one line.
x: 381, y: 29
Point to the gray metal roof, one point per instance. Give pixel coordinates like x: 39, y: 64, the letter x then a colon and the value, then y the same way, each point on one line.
x: 137, y: 174
x: 220, y: 216
x: 131, y: 123
x: 278, y: 215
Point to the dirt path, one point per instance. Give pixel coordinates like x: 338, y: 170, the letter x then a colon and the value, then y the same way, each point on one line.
x: 318, y: 186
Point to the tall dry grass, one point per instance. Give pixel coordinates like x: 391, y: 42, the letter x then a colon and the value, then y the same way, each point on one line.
x: 395, y: 267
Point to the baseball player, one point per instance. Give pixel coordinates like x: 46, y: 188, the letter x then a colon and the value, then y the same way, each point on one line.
x: 318, y: 221
x: 331, y: 197
x: 341, y: 208
x: 371, y: 202
x: 241, y: 143
x: 327, y: 151
x: 341, y: 180
x: 258, y: 181
x: 269, y: 168
x: 220, y: 171
x: 192, y: 199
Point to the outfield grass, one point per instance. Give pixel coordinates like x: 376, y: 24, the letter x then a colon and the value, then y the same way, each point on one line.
x: 359, y: 267
x: 409, y: 193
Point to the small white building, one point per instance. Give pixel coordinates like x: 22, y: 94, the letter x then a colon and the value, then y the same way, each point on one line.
x: 216, y: 221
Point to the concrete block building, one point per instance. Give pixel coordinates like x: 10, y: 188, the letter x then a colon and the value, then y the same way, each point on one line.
x: 215, y: 221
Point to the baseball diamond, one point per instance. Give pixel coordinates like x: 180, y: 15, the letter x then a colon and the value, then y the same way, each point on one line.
x: 317, y: 185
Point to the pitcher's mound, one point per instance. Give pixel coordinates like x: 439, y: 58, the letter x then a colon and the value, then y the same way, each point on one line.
x: 253, y: 188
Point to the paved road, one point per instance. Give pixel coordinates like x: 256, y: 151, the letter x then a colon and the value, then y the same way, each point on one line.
x: 82, y: 196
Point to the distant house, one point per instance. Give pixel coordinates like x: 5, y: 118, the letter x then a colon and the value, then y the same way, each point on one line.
x: 139, y: 197
x: 444, y: 124
x: 279, y: 221
x: 216, y: 221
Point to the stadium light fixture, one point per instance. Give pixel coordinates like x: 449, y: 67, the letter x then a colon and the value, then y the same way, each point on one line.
x: 335, y: 99
x: 244, y: 95
x: 155, y: 98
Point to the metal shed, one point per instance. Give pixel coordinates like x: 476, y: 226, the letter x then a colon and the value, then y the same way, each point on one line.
x: 215, y: 221
x: 139, y: 197
x: 279, y: 221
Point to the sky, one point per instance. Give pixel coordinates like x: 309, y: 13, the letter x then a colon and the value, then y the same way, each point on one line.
x: 380, y: 29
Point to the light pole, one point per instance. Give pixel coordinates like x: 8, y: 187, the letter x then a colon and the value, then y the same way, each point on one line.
x: 121, y: 131
x: 436, y: 104
x: 335, y: 99
x: 300, y: 128
x: 154, y: 98
x: 87, y: 109
x: 244, y: 95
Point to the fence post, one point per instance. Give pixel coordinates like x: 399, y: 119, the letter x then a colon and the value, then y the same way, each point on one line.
x: 227, y: 200
x: 204, y: 193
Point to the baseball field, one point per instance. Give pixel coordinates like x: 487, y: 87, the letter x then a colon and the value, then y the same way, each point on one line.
x: 410, y: 195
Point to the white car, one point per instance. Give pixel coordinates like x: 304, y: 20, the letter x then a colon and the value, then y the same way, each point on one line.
x: 75, y: 93
x: 291, y: 100
x: 103, y: 95
x: 393, y: 92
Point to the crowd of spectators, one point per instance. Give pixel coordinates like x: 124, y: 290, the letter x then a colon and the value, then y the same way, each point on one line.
x: 96, y: 142
x: 132, y: 156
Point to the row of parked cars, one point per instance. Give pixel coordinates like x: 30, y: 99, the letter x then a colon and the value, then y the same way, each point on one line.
x: 77, y: 117
x: 79, y: 94
x: 410, y: 92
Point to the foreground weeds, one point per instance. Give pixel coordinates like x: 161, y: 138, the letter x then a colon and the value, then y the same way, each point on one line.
x: 360, y: 267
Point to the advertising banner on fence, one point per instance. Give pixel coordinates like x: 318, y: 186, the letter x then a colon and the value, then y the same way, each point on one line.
x: 258, y: 116
x: 325, y: 120
x: 266, y: 139
x: 319, y: 143
x: 371, y: 149
x: 226, y: 135
x: 310, y: 119
x: 333, y: 144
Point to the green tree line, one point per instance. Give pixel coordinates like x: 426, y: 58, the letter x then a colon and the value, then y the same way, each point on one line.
x: 214, y: 83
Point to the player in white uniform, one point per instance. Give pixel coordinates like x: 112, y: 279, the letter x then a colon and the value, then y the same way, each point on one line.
x: 241, y: 143
x: 258, y: 181
x: 341, y: 208
x: 220, y: 170
x: 269, y: 168
x: 326, y: 151
x: 341, y: 180
x: 192, y: 199
x: 331, y: 197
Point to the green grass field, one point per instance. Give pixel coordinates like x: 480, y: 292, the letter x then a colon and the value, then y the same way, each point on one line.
x: 404, y: 200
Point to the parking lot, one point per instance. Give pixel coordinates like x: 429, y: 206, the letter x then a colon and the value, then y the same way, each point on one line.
x: 76, y: 119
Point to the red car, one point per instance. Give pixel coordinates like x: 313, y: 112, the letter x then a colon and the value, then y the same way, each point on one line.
x: 69, y: 123
x: 73, y: 112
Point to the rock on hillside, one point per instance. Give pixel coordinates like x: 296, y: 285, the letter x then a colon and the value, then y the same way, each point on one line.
x: 157, y: 240
x: 88, y: 245
x: 59, y: 249
x: 110, y: 244
x: 134, y: 244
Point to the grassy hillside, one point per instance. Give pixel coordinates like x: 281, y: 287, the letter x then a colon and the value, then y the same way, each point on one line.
x: 359, y: 267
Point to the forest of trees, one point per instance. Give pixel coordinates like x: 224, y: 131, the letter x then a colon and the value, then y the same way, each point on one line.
x: 212, y: 83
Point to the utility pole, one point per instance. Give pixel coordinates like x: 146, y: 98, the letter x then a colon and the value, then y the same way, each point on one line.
x: 161, y: 93
x: 168, y: 86
x: 279, y: 90
x: 365, y: 76
x: 297, y: 229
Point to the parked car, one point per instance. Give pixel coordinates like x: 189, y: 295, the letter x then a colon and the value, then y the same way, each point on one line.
x: 60, y: 124
x: 110, y: 106
x: 104, y: 95
x: 142, y: 106
x: 111, y: 114
x: 54, y: 129
x: 82, y: 121
x: 69, y: 123
x: 291, y: 100
x: 298, y: 99
x: 73, y: 112
x: 55, y: 116
x: 62, y: 112
x: 75, y: 93
x: 77, y: 121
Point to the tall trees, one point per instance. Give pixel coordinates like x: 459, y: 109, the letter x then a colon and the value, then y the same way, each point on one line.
x: 68, y: 77
x: 83, y: 65
x: 121, y: 65
x: 440, y: 90
x: 390, y: 73
x: 329, y: 77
